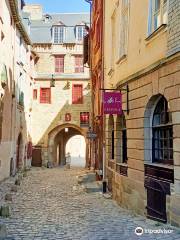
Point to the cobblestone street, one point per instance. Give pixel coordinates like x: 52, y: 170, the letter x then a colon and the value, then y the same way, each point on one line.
x: 50, y: 204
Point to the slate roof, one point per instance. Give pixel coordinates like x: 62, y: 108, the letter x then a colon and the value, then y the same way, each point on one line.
x: 41, y: 30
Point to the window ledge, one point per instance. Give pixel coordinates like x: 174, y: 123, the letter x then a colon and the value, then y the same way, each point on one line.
x: 168, y: 166
x: 122, y: 164
x: 156, y: 32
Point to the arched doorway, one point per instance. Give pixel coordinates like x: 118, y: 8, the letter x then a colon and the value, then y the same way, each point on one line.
x: 19, y: 151
x: 58, y: 138
x: 77, y: 154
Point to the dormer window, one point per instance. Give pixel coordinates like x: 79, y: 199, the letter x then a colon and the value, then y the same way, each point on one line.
x: 80, y: 33
x: 58, y: 34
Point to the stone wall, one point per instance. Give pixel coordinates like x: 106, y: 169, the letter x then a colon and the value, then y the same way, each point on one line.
x: 129, y: 190
x: 173, y: 27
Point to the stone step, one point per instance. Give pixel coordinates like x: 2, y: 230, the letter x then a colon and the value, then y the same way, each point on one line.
x: 85, y: 178
x: 92, y: 187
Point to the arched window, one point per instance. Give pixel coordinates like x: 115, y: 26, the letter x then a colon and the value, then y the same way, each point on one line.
x: 162, y: 131
x: 111, y: 137
x: 121, y: 142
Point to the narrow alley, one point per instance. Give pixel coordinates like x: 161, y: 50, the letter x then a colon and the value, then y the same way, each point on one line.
x: 50, y: 204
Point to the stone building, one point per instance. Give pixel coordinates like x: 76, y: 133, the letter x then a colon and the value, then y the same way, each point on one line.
x: 141, y: 59
x: 61, y: 91
x: 96, y: 63
x: 17, y: 63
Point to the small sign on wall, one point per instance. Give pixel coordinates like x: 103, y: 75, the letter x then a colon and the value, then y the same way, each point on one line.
x: 112, y: 103
x: 67, y: 117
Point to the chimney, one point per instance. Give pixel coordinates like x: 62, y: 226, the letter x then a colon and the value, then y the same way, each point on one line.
x: 35, y: 10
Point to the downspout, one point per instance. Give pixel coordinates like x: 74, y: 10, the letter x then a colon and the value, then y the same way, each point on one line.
x: 102, y: 86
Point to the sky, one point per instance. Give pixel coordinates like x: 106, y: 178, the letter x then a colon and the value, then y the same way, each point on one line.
x: 57, y: 6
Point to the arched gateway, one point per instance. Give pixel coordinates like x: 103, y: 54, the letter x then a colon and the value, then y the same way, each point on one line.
x: 57, y: 140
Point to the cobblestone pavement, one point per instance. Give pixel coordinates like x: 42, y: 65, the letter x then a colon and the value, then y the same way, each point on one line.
x: 47, y: 205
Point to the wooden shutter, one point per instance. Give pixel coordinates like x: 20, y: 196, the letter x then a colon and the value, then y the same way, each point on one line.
x: 77, y: 94
x: 59, y: 64
x: 45, y: 95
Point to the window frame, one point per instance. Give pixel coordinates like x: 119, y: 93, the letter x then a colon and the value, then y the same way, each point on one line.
x: 41, y: 98
x: 153, y: 13
x: 124, y: 29
x: 162, y: 134
x: 78, y: 68
x: 78, y: 100
x: 84, y: 122
x: 122, y: 138
x: 58, y: 29
x: 79, y: 38
x: 60, y: 67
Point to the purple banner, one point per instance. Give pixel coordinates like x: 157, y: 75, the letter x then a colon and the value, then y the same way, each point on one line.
x: 112, y: 102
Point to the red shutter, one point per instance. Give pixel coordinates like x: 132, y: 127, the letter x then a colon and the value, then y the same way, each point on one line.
x: 34, y: 94
x: 45, y: 95
x: 59, y: 64
x: 84, y: 118
x: 77, y: 94
x: 79, y: 68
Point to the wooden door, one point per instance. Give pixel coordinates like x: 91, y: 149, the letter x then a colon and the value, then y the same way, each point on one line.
x: 36, y: 157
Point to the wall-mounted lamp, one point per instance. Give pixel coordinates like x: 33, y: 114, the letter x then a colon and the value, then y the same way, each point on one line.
x: 67, y: 86
x: 52, y: 83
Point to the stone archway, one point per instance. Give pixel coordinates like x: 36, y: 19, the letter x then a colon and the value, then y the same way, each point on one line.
x: 57, y: 140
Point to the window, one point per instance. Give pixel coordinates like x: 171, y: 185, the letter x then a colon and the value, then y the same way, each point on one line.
x: 58, y: 34
x: 80, y: 33
x: 35, y: 94
x: 79, y: 68
x: 45, y: 95
x: 84, y: 119
x: 77, y: 94
x: 157, y: 14
x: 123, y: 43
x: 162, y: 142
x: 59, y: 64
x: 113, y: 39
x: 111, y: 137
x: 121, y: 146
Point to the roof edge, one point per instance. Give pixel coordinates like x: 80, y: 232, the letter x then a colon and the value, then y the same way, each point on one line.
x: 18, y: 21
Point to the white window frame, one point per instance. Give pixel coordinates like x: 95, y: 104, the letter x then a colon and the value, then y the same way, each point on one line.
x: 59, y: 38
x: 82, y: 33
x: 162, y: 12
x: 124, y: 28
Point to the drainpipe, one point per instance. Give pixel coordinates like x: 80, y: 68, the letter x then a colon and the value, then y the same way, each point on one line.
x: 92, y: 115
x: 102, y: 86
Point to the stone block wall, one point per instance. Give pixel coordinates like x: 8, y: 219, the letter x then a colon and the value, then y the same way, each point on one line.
x: 129, y: 191
x: 173, y: 27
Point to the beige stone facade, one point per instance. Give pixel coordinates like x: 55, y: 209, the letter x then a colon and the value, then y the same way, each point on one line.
x: 141, y: 63
x: 15, y: 100
x: 49, y: 119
